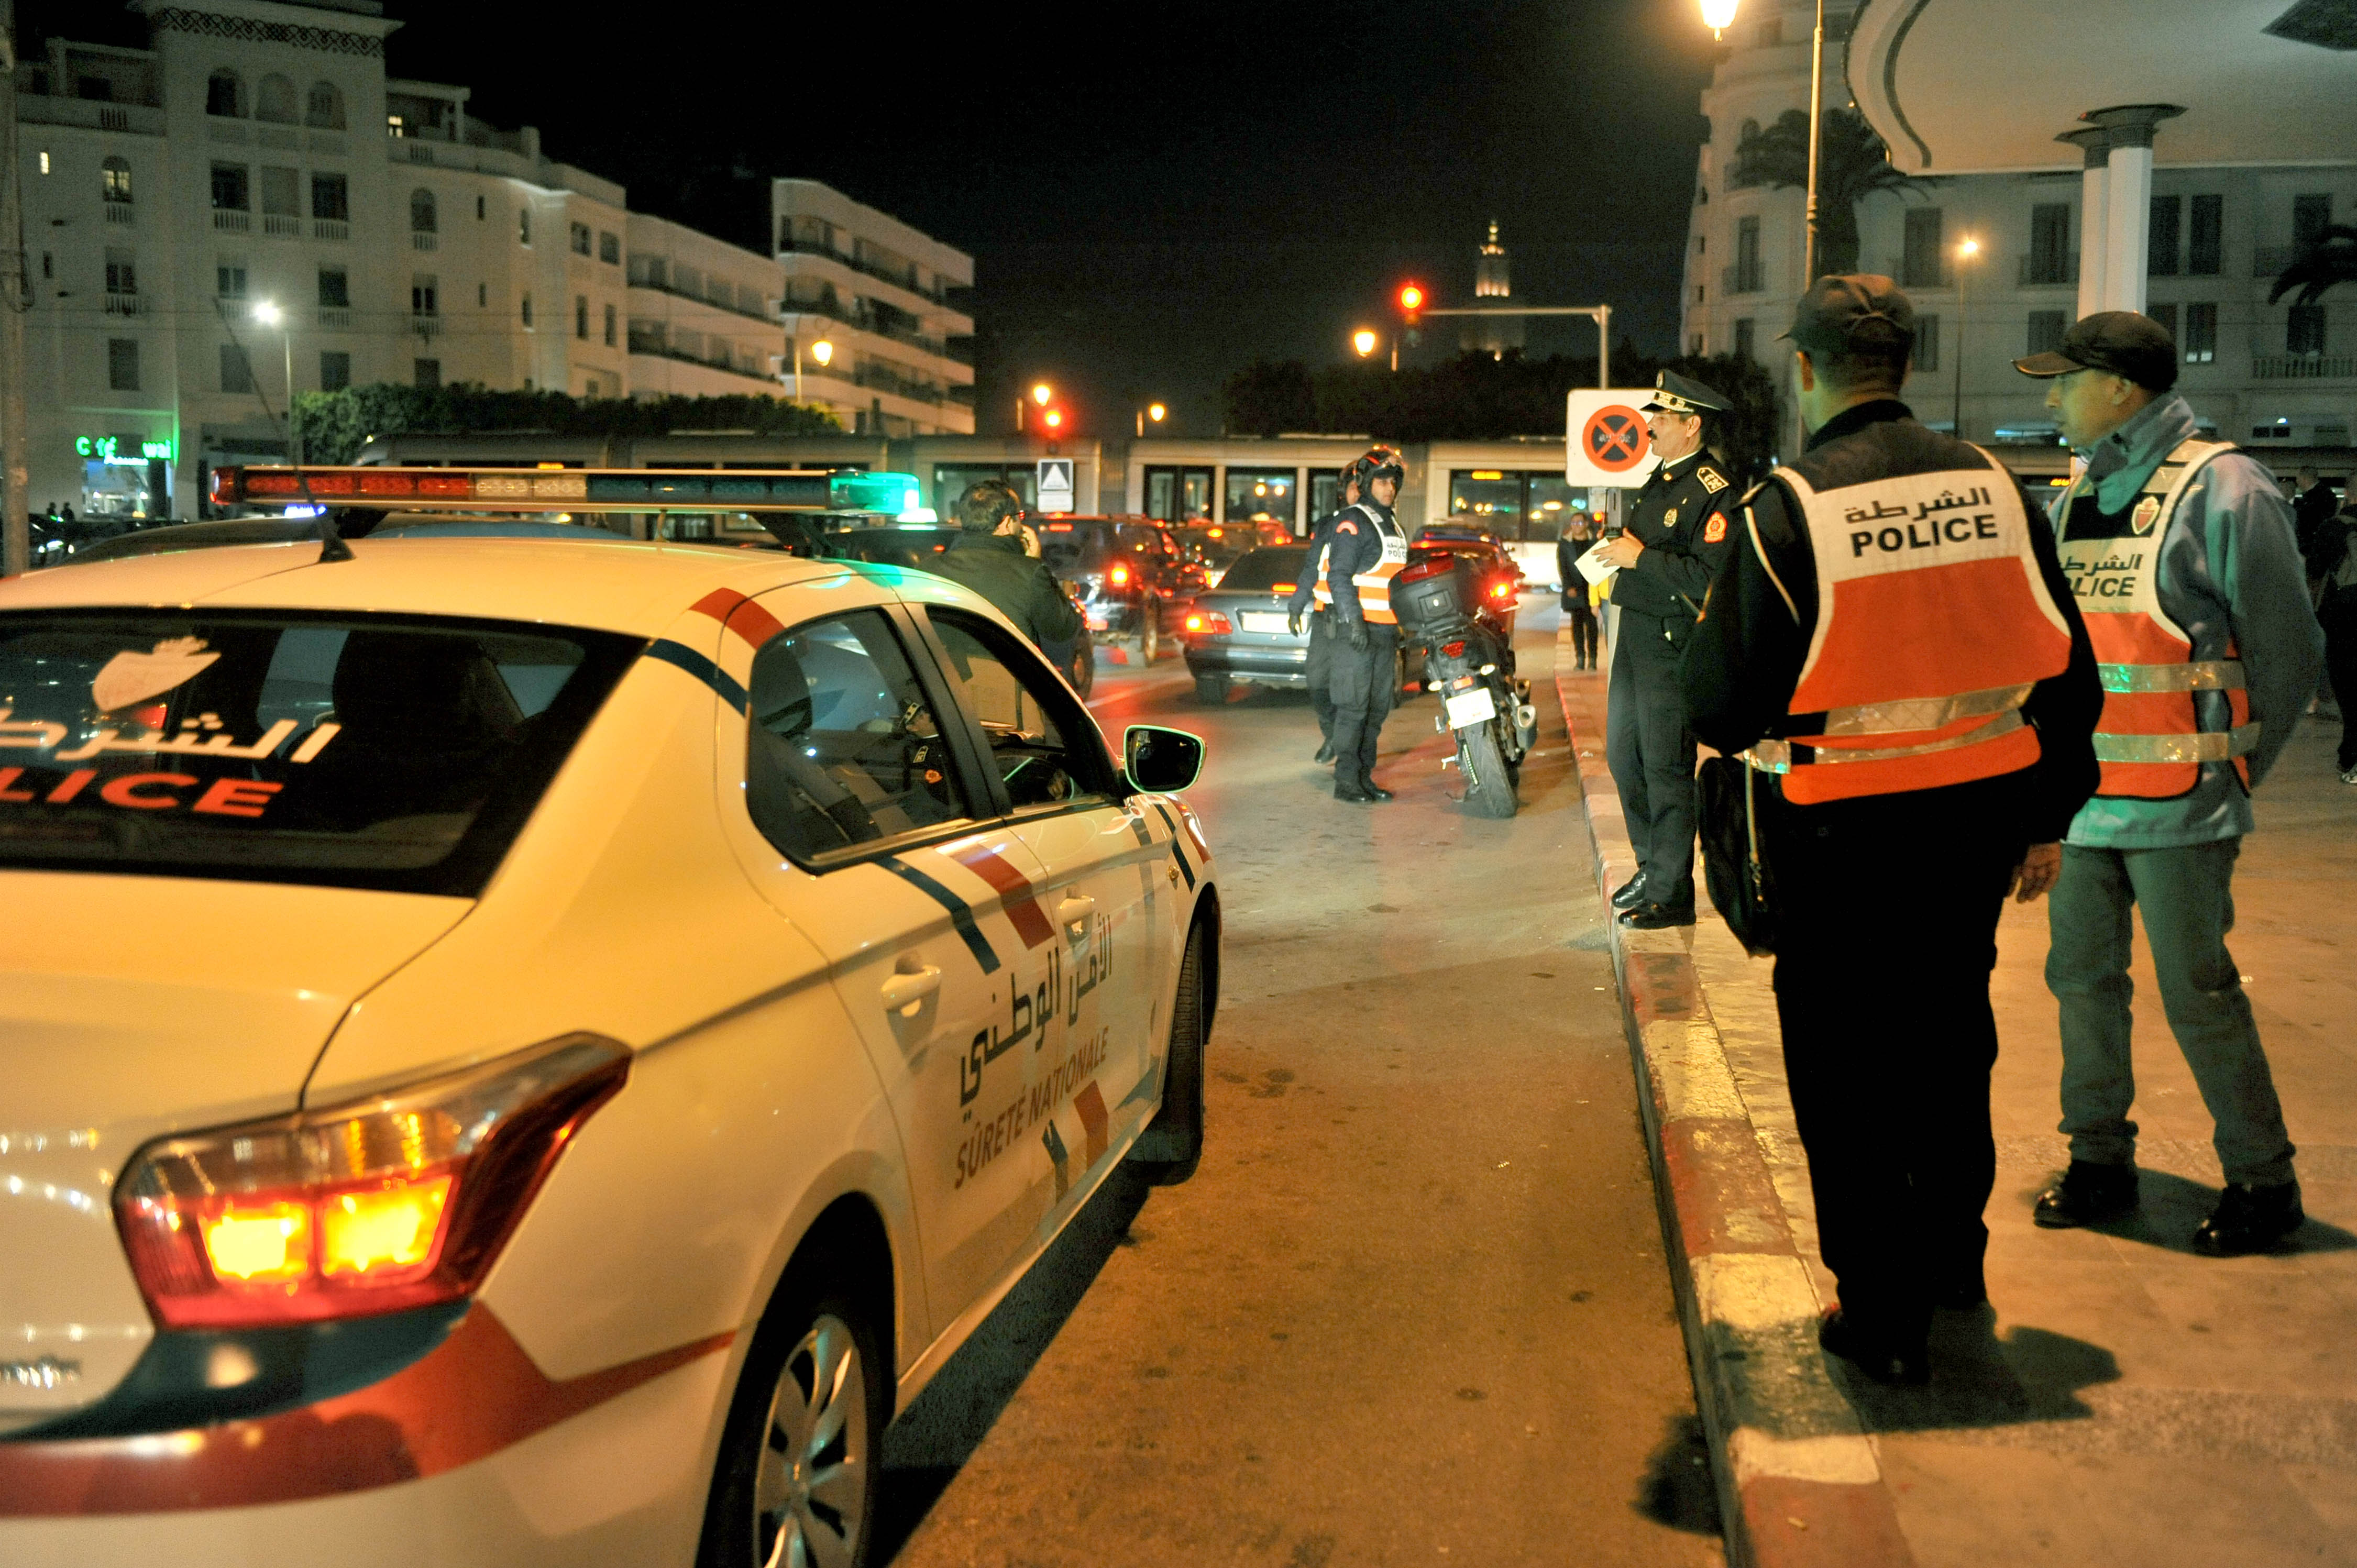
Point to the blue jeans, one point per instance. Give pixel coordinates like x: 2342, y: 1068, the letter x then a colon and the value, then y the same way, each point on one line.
x: 2187, y: 897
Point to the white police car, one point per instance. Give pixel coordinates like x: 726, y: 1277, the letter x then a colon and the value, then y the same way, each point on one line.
x: 525, y: 1052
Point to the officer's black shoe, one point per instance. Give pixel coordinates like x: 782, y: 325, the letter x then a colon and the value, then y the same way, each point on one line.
x: 1961, y: 1290
x: 1350, y: 790
x: 2087, y: 1195
x: 1325, y: 752
x: 1657, y: 917
x: 2250, y: 1220
x: 1630, y: 894
x: 1377, y: 790
x: 1884, y: 1360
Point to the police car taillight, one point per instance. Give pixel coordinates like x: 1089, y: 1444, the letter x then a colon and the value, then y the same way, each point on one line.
x: 401, y: 1200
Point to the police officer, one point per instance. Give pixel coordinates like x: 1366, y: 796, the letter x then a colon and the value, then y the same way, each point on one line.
x: 1895, y: 643
x: 1675, y: 537
x: 1319, y: 669
x: 1365, y: 548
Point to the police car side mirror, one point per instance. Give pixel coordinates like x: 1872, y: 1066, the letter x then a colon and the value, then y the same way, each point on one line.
x: 1163, y: 761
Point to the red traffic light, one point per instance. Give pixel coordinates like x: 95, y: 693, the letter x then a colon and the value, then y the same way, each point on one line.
x: 1411, y: 299
x: 1054, y: 419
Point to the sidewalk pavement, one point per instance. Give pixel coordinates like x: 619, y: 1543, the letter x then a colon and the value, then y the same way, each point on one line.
x: 2122, y: 1401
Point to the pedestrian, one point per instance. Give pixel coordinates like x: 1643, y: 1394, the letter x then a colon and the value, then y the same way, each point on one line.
x: 2313, y: 505
x: 1676, y: 539
x: 1352, y: 577
x: 1319, y: 669
x: 1894, y: 652
x: 2183, y: 556
x: 989, y: 556
x: 2336, y: 610
x: 1579, y: 600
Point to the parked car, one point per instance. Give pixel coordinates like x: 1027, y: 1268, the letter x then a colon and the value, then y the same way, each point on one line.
x: 918, y: 544
x: 1219, y: 545
x: 1235, y: 634
x: 534, y: 1050
x: 1134, y: 583
x: 1498, y: 577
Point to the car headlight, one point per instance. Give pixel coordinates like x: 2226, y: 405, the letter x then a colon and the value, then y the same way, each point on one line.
x: 397, y: 1201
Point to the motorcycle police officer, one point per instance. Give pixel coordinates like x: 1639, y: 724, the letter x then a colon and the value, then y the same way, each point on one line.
x: 1673, y: 542
x: 1365, y: 547
x: 1319, y: 669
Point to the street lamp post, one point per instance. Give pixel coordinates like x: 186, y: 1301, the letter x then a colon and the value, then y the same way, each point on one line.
x: 822, y: 351
x: 1718, y: 15
x: 1153, y: 410
x: 268, y: 314
x: 1966, y: 252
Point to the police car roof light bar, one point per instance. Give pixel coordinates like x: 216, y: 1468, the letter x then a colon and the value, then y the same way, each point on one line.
x: 509, y: 489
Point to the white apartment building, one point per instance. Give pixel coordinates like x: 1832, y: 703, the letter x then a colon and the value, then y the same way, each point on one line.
x: 255, y: 158
x: 2276, y: 377
x: 876, y: 292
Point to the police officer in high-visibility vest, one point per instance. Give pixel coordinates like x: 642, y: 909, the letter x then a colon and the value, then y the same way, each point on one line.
x: 1364, y: 550
x: 1675, y: 537
x: 1894, y: 649
x: 2183, y: 556
x: 1318, y: 669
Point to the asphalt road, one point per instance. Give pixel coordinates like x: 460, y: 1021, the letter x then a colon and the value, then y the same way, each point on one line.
x: 1414, y: 1307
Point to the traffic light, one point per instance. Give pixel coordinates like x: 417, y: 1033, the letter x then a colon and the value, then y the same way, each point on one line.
x: 1411, y: 301
x: 1054, y: 419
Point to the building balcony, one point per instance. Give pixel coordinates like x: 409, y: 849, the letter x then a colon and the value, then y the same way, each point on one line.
x: 122, y: 214
x: 230, y: 220
x: 731, y: 305
x: 425, y: 324
x: 1736, y: 279
x: 282, y: 225
x: 330, y: 229
x: 2303, y: 367
x: 2035, y: 271
x: 960, y: 352
x: 138, y: 118
x: 336, y: 317
x: 124, y: 304
x: 898, y: 277
x: 655, y: 348
x: 421, y: 241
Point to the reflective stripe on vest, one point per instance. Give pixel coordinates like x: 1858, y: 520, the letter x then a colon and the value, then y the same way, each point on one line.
x: 1933, y: 624
x: 1374, y: 586
x: 2150, y: 738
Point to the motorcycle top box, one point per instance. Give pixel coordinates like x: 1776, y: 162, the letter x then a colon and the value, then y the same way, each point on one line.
x: 1438, y: 591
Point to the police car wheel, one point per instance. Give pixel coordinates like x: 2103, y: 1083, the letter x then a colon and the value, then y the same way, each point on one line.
x: 802, y: 1453
x: 1083, y: 672
x: 1167, y: 1152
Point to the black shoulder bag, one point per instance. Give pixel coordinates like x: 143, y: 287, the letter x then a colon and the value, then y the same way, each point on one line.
x: 1734, y: 808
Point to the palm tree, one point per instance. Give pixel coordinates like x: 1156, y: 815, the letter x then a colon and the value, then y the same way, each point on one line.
x: 1852, y: 164
x: 2331, y: 258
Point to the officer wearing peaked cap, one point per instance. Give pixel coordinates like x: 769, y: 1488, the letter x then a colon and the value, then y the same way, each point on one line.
x: 1674, y: 539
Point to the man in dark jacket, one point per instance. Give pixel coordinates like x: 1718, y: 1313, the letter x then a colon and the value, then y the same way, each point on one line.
x: 1895, y: 649
x: 1319, y: 669
x: 989, y: 557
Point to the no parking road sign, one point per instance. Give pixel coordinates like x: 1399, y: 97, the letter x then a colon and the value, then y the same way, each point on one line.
x: 1605, y: 441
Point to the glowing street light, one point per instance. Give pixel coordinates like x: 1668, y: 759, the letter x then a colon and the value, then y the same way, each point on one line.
x: 1966, y: 249
x: 1364, y: 341
x: 268, y: 314
x: 1718, y: 15
x: 1040, y: 392
x: 1153, y: 410
x: 822, y: 351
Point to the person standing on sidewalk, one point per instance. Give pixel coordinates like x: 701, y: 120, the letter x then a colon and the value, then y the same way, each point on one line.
x: 1354, y: 581
x: 1578, y: 603
x: 1676, y: 536
x: 2183, y: 557
x: 2336, y: 611
x: 1319, y: 670
x: 1895, y: 645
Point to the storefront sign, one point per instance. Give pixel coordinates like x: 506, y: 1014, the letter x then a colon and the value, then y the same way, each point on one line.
x: 115, y: 449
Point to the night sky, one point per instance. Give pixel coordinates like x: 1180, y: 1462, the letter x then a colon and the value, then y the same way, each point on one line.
x: 1155, y: 195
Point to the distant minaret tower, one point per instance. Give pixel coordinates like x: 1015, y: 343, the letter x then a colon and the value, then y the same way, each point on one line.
x: 1493, y: 284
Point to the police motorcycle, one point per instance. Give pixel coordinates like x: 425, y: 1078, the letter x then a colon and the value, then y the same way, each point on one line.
x: 1470, y: 662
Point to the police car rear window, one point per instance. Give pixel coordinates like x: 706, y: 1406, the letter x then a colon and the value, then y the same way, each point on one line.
x: 350, y: 751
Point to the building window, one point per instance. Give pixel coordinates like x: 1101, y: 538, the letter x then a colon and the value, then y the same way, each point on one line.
x: 229, y: 189
x: 2304, y: 330
x: 225, y: 94
x: 1926, y: 356
x: 1748, y: 133
x: 331, y: 198
x: 229, y: 280
x: 2046, y: 330
x: 1919, y: 258
x: 1743, y: 331
x: 609, y: 327
x: 113, y: 179
x: 527, y: 313
x: 1748, y: 276
x: 524, y: 225
x: 425, y: 375
x: 423, y: 216
x: 1693, y: 345
x: 123, y: 364
x: 2164, y: 314
x: 2309, y: 217
x: 579, y: 234
x: 2206, y: 252
x: 236, y: 373
x: 325, y: 111
x: 482, y: 296
x: 2050, y: 259
x: 610, y: 249
x: 335, y: 289
x: 275, y: 101
x: 2200, y: 339
x: 335, y: 370
x: 581, y: 317
x: 424, y: 295
x: 2168, y: 217
x: 280, y: 193
x: 122, y: 273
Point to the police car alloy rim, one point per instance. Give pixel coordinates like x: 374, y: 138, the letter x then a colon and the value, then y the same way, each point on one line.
x: 810, y: 1493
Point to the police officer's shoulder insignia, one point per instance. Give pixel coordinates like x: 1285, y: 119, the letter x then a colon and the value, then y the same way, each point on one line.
x: 1344, y: 525
x: 1715, y: 529
x: 2148, y: 512
x: 1670, y: 518
x: 1712, y: 479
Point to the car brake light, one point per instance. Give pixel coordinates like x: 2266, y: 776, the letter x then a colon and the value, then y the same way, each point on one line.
x: 1283, y: 587
x: 1120, y: 574
x: 1211, y: 621
x: 1502, y: 589
x: 1454, y: 650
x: 401, y: 1200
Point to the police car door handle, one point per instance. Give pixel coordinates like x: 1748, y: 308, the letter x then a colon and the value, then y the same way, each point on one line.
x: 907, y: 988
x: 1071, y: 911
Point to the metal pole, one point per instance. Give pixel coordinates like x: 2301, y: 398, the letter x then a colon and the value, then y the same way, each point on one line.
x: 15, y: 475
x: 1604, y: 346
x: 1957, y: 429
x: 1817, y: 113
x: 294, y: 431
